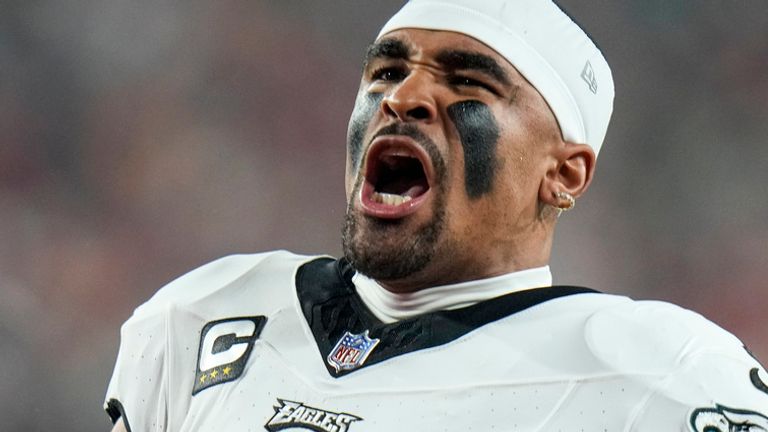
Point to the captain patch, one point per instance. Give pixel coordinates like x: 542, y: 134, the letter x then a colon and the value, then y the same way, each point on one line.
x: 225, y: 346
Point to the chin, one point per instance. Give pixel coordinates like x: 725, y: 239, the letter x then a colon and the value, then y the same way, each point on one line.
x: 390, y: 250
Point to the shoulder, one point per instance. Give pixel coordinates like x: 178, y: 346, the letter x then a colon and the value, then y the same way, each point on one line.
x: 214, y: 279
x: 207, y: 279
x: 654, y: 336
x: 157, y: 343
x: 694, y: 370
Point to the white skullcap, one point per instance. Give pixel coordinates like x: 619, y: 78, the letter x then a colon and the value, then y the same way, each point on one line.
x: 543, y: 43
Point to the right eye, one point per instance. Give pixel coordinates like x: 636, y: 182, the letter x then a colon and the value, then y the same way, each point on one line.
x: 388, y: 74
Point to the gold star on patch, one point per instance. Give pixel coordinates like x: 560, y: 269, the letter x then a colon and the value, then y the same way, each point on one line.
x: 227, y: 370
x: 214, y: 373
x: 202, y: 378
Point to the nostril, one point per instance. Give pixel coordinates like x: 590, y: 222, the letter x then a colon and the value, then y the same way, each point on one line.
x: 387, y: 108
x: 418, y: 113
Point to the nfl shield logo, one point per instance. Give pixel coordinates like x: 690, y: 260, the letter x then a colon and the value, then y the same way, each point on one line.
x: 351, y: 351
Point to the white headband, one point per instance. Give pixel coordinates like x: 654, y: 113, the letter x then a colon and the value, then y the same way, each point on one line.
x: 543, y: 43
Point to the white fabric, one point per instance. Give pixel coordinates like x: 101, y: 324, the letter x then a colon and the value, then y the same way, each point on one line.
x: 390, y: 307
x: 551, y: 51
x: 590, y: 362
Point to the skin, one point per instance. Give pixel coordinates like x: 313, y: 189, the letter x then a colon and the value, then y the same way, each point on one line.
x: 502, y: 156
x: 365, y: 107
x: 498, y: 221
x: 119, y: 426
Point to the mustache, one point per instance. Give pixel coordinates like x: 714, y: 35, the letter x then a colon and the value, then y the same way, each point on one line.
x: 405, y: 129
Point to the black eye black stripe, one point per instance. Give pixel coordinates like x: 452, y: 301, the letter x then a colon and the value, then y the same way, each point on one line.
x: 366, y: 106
x: 479, y: 135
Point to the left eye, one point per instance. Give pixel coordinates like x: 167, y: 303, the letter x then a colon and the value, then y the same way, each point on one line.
x: 468, y: 82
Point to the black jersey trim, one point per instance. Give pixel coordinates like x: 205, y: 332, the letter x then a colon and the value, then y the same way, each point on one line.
x: 754, y: 376
x: 116, y: 411
x: 332, y: 307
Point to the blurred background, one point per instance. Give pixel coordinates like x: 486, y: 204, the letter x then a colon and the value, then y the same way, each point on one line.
x: 141, y: 139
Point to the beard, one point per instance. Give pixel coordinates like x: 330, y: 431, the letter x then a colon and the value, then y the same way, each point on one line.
x: 384, y: 250
x: 391, y: 249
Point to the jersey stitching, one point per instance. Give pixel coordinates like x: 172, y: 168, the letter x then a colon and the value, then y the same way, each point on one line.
x: 566, y: 394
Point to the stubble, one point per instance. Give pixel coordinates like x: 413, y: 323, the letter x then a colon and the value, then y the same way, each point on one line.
x: 393, y: 249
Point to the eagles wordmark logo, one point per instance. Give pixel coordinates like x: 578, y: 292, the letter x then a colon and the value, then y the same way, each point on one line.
x: 289, y: 414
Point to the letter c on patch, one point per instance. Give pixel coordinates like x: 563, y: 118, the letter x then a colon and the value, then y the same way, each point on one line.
x: 220, y: 343
x: 225, y: 346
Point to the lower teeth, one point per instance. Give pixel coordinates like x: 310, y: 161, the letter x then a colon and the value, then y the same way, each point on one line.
x: 389, y: 199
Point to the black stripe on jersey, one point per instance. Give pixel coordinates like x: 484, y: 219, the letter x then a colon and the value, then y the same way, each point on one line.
x: 754, y: 376
x: 332, y: 307
x: 116, y: 411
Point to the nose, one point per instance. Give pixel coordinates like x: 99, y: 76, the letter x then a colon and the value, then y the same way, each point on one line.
x: 412, y: 100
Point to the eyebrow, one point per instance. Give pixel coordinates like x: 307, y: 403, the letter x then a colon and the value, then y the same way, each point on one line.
x: 387, y: 48
x: 451, y: 59
x: 454, y: 60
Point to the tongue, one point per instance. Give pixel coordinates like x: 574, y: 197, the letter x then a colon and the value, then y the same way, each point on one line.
x: 415, y: 191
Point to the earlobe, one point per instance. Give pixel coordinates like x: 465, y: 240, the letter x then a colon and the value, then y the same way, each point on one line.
x: 570, y: 175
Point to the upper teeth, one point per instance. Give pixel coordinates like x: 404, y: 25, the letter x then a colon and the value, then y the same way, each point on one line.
x: 389, y: 199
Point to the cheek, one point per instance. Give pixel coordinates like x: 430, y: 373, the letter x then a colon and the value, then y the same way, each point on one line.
x: 479, y: 134
x: 366, y: 106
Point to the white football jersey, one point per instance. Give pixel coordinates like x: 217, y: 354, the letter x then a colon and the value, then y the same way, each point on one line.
x: 278, y: 341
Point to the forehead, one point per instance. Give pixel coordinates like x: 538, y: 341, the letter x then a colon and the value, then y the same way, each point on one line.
x: 422, y: 42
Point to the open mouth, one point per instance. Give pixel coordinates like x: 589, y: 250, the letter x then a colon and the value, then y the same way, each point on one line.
x: 398, y: 176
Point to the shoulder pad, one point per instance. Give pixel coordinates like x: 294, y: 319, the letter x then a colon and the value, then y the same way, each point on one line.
x: 652, y: 336
x: 209, y: 278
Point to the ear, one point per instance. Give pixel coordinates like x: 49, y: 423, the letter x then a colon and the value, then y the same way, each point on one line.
x: 571, y: 171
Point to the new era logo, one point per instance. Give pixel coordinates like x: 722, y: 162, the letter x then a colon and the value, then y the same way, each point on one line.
x: 588, y: 75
